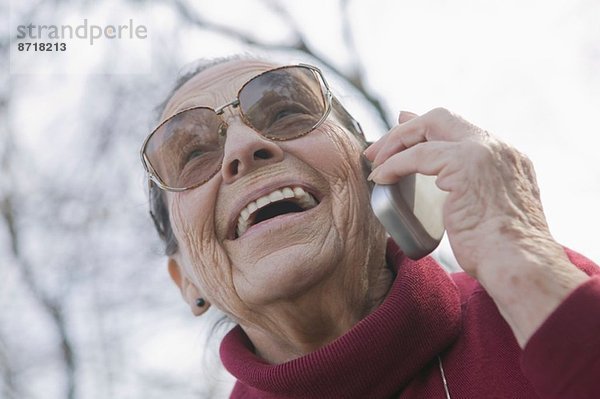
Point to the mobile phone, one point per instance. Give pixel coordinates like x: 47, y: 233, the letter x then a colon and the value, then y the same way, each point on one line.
x: 411, y: 212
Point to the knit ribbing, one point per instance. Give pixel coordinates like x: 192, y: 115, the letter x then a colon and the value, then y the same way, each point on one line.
x: 418, y: 319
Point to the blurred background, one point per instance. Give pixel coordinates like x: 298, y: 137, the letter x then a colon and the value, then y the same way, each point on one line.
x: 87, y: 309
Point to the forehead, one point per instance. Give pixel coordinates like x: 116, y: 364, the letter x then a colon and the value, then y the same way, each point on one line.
x: 215, y: 85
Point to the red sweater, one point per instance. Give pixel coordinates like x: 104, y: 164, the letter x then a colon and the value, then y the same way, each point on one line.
x: 393, y: 352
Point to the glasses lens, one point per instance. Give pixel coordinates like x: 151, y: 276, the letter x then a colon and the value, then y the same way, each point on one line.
x: 283, y: 103
x: 187, y: 149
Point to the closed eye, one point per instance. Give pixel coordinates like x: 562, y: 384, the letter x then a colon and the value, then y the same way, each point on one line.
x: 193, y: 154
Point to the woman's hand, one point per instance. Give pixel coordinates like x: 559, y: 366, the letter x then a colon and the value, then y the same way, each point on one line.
x: 493, y: 195
x: 493, y: 214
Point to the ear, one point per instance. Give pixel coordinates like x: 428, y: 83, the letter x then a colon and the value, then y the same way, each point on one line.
x: 189, y: 291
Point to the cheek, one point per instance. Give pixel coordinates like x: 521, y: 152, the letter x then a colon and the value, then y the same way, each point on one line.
x: 205, y: 260
x: 344, y: 165
x: 334, y: 154
x: 340, y: 160
x: 192, y: 224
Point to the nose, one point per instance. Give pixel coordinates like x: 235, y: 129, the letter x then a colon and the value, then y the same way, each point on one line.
x: 246, y: 150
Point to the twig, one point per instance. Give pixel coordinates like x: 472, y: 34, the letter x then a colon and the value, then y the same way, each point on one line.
x: 355, y: 79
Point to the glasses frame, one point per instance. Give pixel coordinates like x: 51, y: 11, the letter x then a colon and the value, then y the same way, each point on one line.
x: 153, y: 177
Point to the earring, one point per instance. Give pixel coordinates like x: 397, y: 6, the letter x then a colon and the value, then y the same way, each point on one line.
x: 200, y: 302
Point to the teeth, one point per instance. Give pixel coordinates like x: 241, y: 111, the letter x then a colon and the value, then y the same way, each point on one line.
x: 252, y: 207
x: 262, y: 201
x: 307, y: 202
x: 288, y: 192
x: 276, y: 196
x: 304, y: 199
x: 299, y: 192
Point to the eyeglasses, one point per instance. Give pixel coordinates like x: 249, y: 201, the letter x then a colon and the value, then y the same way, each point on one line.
x: 186, y: 150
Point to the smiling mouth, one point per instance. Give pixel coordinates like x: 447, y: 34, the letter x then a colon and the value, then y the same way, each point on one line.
x: 279, y: 202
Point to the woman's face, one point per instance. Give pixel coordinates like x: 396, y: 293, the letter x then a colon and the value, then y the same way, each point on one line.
x: 284, y: 257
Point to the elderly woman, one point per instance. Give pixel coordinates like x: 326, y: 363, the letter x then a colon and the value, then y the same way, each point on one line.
x: 259, y: 188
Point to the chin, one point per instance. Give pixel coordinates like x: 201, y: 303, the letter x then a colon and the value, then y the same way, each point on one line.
x: 287, y: 273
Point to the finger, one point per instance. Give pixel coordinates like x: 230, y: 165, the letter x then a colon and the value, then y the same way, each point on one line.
x: 399, y: 138
x: 437, y: 124
x: 405, y: 116
x: 427, y: 158
x: 447, y: 126
x: 373, y: 149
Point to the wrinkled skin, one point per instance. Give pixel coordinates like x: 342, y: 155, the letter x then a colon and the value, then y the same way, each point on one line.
x: 294, y: 284
x: 297, y: 284
x: 493, y: 214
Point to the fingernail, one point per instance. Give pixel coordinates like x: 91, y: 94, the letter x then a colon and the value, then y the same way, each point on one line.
x: 372, y: 175
x: 400, y: 117
x: 375, y: 163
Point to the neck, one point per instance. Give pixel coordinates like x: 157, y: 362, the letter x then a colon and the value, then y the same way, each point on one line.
x: 291, y: 328
x: 419, y: 318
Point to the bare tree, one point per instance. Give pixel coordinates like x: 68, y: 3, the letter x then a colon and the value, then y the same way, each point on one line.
x: 353, y: 73
x: 73, y: 223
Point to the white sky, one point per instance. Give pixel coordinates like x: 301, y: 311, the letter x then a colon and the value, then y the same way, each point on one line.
x: 528, y: 72
x: 525, y: 71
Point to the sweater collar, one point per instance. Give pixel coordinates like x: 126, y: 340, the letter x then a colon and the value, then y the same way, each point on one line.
x: 375, y: 358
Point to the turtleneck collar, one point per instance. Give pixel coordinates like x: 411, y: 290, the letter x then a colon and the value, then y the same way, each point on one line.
x: 377, y: 357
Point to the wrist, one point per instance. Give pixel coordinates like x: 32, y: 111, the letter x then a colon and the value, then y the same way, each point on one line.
x: 528, y: 282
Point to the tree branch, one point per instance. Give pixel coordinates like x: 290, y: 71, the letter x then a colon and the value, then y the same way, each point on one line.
x: 9, y: 389
x: 355, y: 79
x: 8, y: 214
x: 357, y: 72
